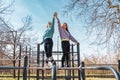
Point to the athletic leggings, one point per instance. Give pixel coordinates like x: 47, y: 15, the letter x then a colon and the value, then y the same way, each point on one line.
x: 48, y: 47
x: 66, y: 50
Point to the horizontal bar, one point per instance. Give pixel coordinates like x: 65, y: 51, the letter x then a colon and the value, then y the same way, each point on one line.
x: 73, y: 68
x: 40, y: 68
x: 58, y: 68
x: 56, y: 52
x: 10, y: 59
x: 98, y: 67
x: 68, y: 68
x: 10, y: 67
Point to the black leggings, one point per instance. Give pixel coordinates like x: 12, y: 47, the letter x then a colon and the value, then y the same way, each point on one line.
x: 48, y: 47
x: 66, y: 50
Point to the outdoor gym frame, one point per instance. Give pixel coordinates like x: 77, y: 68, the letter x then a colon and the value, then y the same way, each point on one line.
x: 81, y: 68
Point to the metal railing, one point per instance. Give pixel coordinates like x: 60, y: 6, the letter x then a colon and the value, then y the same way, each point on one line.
x: 24, y: 68
x: 115, y: 72
x: 82, y: 68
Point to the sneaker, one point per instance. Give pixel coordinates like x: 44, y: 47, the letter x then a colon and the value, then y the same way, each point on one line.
x: 68, y: 66
x: 46, y: 65
x: 62, y: 66
x: 46, y: 61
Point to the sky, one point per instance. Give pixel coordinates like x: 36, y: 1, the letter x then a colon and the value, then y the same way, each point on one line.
x: 41, y: 12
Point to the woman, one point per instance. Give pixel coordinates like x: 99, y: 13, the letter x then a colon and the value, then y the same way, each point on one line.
x: 65, y: 36
x: 47, y: 40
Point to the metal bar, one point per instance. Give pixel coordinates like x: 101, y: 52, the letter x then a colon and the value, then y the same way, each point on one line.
x: 19, y: 63
x: 83, y: 71
x: 58, y: 68
x: 40, y: 68
x: 72, y: 62
x: 10, y: 67
x: 43, y: 65
x: 54, y: 71
x: 10, y: 59
x: 29, y: 63
x: 117, y: 75
x: 59, y: 52
x: 38, y: 62
x: 25, y: 68
x: 78, y: 57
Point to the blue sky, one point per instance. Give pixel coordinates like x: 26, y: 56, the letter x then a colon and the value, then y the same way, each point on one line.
x: 42, y: 12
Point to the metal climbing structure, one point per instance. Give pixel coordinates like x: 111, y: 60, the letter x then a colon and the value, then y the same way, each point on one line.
x: 63, y: 73
x: 34, y: 63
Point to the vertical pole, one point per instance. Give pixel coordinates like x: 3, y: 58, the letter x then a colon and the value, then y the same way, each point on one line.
x: 83, y: 71
x: 72, y: 62
x: 54, y: 71
x: 19, y: 63
x: 14, y: 61
x: 119, y: 65
x: 25, y: 68
x: 14, y: 52
x: 78, y: 55
x: 43, y: 66
x: 69, y: 64
x: 38, y: 56
x: 29, y: 62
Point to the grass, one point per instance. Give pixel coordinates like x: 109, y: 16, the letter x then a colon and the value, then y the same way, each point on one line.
x: 63, y: 79
x: 88, y: 78
x: 100, y: 79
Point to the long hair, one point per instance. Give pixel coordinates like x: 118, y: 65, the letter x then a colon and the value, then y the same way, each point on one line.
x: 66, y: 27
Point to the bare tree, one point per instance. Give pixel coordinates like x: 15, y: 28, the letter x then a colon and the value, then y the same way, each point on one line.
x: 18, y: 37
x: 14, y: 38
x: 4, y: 10
x: 11, y: 37
x: 102, y: 17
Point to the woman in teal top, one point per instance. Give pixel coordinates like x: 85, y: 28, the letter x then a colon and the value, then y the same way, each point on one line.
x: 47, y: 40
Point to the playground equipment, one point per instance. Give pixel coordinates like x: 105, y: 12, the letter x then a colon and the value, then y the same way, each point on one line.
x: 69, y: 71
x: 24, y: 68
x: 58, y: 53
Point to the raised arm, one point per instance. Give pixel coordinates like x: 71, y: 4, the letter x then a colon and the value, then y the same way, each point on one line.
x: 58, y: 21
x: 52, y: 25
x: 73, y: 39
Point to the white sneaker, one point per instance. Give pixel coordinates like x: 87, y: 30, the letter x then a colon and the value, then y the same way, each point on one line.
x: 46, y: 65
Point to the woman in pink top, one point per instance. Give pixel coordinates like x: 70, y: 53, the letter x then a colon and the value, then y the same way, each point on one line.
x: 65, y: 36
